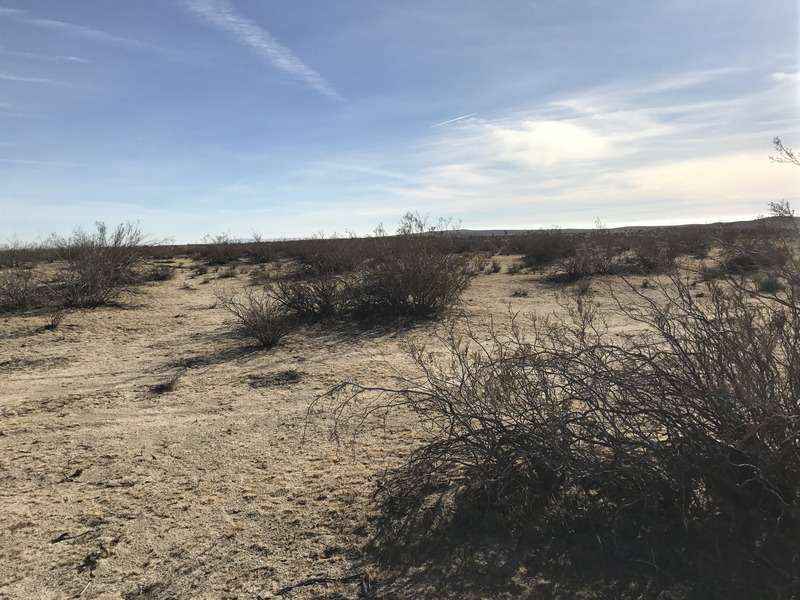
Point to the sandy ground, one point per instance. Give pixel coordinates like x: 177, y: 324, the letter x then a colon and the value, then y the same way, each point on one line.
x: 109, y: 489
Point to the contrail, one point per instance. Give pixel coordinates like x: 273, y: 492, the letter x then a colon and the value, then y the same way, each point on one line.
x: 222, y: 14
x: 456, y: 119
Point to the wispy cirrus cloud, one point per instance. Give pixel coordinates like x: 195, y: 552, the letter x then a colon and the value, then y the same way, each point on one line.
x: 24, y: 79
x: 42, y: 57
x: 222, y: 15
x: 624, y: 152
x: 76, y: 30
x: 57, y: 163
x: 782, y: 76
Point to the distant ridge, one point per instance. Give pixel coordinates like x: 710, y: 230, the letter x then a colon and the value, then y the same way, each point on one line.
x: 631, y: 228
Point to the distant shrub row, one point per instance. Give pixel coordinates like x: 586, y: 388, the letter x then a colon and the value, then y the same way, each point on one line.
x: 88, y: 269
x: 408, y: 276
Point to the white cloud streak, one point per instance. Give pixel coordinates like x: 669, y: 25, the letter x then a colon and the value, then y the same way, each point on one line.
x: 455, y: 120
x: 626, y: 153
x: 222, y: 15
x: 42, y: 57
x: 24, y: 79
x: 57, y: 163
x: 77, y: 30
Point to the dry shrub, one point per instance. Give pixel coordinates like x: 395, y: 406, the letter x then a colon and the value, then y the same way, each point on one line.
x: 689, y: 240
x: 16, y: 253
x: 649, y: 254
x: 414, y: 273
x: 326, y: 257
x: 221, y: 249
x: 20, y: 289
x: 585, y: 263
x: 493, y: 267
x: 593, y: 255
x: 313, y: 299
x: 677, y: 450
x: 543, y: 247
x: 99, y: 268
x: 260, y: 316
x: 260, y: 251
x: 515, y: 267
x: 260, y: 276
x: 158, y: 272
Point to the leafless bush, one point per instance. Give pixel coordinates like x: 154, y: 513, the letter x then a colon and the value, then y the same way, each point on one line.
x: 688, y: 240
x: 16, y: 253
x: 99, y: 267
x: 583, y: 264
x: 221, y: 249
x: 514, y: 268
x: 260, y: 251
x: 319, y: 297
x: 413, y: 274
x: 543, y: 247
x: 55, y: 315
x: 20, y: 289
x: 158, y: 272
x: 493, y: 266
x: 228, y: 273
x: 260, y: 316
x: 260, y: 276
x: 677, y: 448
x: 329, y: 257
x: 649, y: 254
x: 594, y: 255
x: 167, y: 385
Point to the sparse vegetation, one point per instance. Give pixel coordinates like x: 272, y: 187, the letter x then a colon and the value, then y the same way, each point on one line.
x: 653, y: 454
x: 677, y: 448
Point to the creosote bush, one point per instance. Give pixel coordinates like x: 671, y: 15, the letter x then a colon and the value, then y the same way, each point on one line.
x: 20, y: 289
x: 413, y: 274
x: 313, y: 299
x: 260, y: 316
x: 98, y: 268
x: 543, y: 247
x: 678, y: 449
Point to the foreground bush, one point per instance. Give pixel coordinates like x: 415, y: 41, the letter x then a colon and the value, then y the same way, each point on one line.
x: 677, y: 450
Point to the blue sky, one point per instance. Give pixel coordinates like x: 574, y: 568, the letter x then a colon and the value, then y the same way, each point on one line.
x: 292, y: 117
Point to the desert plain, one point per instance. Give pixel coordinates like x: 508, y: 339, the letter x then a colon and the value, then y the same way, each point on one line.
x: 148, y: 450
